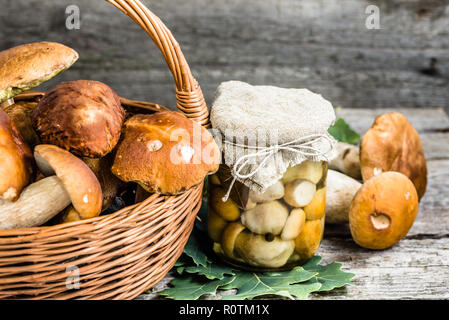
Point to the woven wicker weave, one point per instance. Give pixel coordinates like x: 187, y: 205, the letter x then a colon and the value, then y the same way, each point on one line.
x: 120, y: 255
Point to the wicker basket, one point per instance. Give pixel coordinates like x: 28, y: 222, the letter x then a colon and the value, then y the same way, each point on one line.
x: 120, y: 255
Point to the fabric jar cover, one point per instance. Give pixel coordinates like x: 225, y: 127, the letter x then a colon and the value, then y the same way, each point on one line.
x: 271, y: 128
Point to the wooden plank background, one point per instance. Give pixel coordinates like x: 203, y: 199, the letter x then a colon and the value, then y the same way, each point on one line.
x: 320, y: 44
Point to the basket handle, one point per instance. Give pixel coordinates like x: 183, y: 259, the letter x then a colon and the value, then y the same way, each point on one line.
x: 189, y: 97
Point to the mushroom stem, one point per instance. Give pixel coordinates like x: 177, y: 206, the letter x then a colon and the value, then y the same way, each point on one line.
x: 7, y: 103
x: 347, y: 161
x: 38, y: 203
x: 340, y: 190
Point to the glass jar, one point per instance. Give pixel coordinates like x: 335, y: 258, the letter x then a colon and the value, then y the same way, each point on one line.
x: 275, y: 230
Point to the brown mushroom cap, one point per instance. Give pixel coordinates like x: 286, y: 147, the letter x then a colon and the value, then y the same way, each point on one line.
x: 392, y: 144
x: 383, y: 210
x: 20, y: 114
x: 165, y: 152
x: 26, y: 66
x: 101, y: 167
x: 84, y: 117
x: 15, y: 160
x: 79, y: 181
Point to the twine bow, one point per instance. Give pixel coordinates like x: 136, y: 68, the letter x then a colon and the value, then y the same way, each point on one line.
x: 301, y: 146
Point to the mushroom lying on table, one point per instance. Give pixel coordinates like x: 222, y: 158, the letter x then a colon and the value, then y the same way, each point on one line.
x: 392, y: 144
x: 69, y: 181
x: 383, y: 210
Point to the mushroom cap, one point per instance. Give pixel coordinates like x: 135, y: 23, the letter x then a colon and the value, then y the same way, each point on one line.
x: 20, y: 114
x: 84, y: 117
x: 26, y: 66
x: 267, y: 217
x: 80, y: 182
x: 165, y: 153
x: 383, y: 210
x: 101, y: 167
x: 392, y: 144
x: 15, y: 160
x: 259, y: 252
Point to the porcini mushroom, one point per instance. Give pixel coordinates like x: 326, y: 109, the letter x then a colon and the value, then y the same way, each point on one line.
x: 228, y: 209
x: 83, y: 117
x: 26, y: 66
x: 309, y: 170
x: 267, y: 217
x: 299, y: 192
x: 383, y: 210
x: 228, y: 237
x: 347, y: 160
x: 38, y: 203
x: 316, y: 208
x: 255, y: 250
x: 308, y: 241
x: 80, y: 182
x: 73, y: 183
x: 165, y: 153
x: 15, y: 160
x: 392, y: 144
x: 294, y: 224
x: 273, y: 192
x: 109, y: 183
x: 20, y: 114
x: 340, y: 190
x: 215, y: 225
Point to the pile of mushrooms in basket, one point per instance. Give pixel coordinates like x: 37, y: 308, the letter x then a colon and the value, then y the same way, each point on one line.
x: 76, y: 153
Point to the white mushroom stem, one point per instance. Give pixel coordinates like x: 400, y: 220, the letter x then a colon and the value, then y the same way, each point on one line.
x: 273, y: 192
x: 347, y: 161
x: 299, y: 192
x: 38, y: 203
x: 340, y: 191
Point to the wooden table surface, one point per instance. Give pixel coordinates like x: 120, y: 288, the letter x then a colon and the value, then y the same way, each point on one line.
x: 418, y: 266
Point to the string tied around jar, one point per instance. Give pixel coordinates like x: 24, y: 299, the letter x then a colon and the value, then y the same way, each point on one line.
x: 302, y: 146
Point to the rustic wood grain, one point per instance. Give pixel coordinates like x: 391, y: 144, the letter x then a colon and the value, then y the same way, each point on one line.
x: 424, y: 120
x: 320, y: 44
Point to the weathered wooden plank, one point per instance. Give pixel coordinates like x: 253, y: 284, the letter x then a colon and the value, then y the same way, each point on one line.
x: 320, y: 44
x: 424, y: 120
x: 412, y: 269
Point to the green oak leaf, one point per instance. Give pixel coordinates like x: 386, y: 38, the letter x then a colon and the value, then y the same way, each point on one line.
x: 342, y: 132
x: 194, y: 251
x: 251, y: 285
x: 192, y: 287
x: 211, y: 271
x: 329, y: 276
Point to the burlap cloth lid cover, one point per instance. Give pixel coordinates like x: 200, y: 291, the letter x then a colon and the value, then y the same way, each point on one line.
x: 297, y: 119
